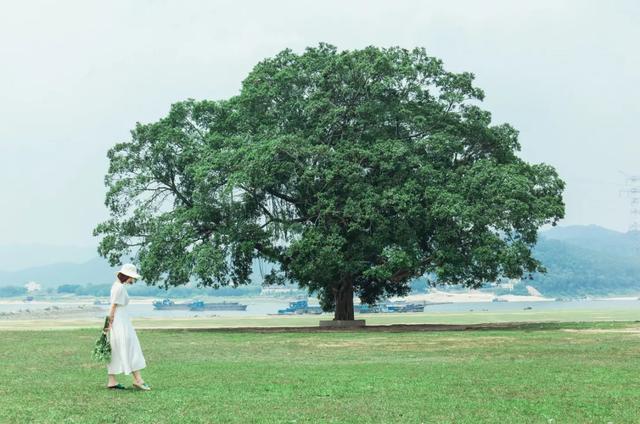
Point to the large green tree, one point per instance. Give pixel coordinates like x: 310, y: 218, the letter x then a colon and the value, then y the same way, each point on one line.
x: 354, y: 171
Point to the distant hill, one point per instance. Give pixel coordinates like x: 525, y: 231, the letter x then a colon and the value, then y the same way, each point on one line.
x: 585, y: 261
x: 586, y: 271
x: 598, y: 239
x: 581, y: 260
x: 22, y: 256
x: 95, y: 271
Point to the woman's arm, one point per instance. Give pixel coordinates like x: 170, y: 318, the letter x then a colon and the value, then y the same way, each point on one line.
x: 112, y: 312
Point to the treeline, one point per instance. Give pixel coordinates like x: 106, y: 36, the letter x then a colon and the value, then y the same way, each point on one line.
x: 140, y: 290
x: 104, y: 290
x: 12, y: 291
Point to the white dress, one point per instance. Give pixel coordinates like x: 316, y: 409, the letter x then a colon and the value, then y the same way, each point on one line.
x: 126, y: 354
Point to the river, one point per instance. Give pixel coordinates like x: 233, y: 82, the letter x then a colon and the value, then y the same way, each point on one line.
x: 263, y: 307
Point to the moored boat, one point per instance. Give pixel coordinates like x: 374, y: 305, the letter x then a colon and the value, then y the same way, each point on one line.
x: 168, y: 304
x: 300, y: 307
x: 404, y: 307
x: 199, y: 305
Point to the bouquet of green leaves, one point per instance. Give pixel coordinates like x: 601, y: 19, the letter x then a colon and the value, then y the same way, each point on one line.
x: 102, y: 348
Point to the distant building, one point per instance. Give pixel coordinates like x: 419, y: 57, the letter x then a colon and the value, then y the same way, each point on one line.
x: 32, y: 286
x: 506, y: 284
x: 279, y: 290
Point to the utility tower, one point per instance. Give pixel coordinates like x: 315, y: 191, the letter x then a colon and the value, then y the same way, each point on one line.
x: 632, y: 191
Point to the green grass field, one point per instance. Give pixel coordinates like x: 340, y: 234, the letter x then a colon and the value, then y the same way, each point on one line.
x: 540, y: 373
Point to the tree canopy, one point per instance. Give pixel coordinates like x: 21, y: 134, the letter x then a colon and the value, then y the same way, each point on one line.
x: 353, y: 171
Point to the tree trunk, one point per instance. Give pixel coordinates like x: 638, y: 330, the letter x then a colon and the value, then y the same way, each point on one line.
x: 344, y: 301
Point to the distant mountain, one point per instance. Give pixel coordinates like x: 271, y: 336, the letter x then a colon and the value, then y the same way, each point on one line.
x: 581, y: 260
x: 17, y: 257
x: 576, y: 271
x: 596, y: 238
x: 95, y: 271
x: 588, y: 260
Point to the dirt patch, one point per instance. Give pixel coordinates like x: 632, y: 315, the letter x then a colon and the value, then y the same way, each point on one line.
x: 392, y: 328
x: 52, y: 312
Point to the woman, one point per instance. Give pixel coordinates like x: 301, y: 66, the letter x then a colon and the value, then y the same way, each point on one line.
x: 126, y: 354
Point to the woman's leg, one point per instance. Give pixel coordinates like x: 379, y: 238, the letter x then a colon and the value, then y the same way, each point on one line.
x: 112, y: 380
x: 137, y: 377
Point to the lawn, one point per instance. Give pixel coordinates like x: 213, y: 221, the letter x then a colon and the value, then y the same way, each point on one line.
x: 543, y: 373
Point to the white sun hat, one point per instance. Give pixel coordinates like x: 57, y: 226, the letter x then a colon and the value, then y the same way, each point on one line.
x: 129, y: 270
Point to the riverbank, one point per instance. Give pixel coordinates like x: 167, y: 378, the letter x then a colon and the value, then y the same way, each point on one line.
x: 433, y: 297
x: 51, y: 312
x: 261, y: 311
x: 472, y: 296
x: 476, y: 316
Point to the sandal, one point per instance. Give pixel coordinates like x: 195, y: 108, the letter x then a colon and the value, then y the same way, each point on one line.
x: 143, y: 386
x: 117, y: 386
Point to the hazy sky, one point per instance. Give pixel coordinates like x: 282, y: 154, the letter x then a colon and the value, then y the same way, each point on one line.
x: 75, y: 76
